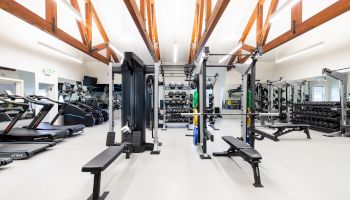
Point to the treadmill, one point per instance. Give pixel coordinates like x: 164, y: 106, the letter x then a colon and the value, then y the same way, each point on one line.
x: 29, y: 133
x: 72, y: 129
x: 18, y: 150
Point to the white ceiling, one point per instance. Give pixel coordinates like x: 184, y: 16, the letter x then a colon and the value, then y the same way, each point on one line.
x: 175, y: 21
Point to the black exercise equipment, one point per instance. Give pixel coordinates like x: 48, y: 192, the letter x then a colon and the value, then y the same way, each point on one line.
x: 133, y: 132
x: 98, y: 164
x: 282, y: 129
x: 5, y: 161
x: 77, y: 113
x: 29, y: 133
x: 244, y: 150
x: 72, y: 129
x: 18, y: 150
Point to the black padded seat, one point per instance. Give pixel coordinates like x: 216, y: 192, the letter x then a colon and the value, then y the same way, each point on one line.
x: 251, y: 153
x: 239, y: 144
x: 103, y: 160
x: 245, y: 151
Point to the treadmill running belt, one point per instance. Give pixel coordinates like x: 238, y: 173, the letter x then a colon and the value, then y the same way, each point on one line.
x: 22, y: 134
x: 18, y: 151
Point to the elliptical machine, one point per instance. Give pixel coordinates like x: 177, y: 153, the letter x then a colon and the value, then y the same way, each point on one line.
x: 76, y: 114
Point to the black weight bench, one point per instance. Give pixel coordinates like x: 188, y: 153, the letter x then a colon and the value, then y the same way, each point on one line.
x: 282, y: 129
x: 244, y: 150
x: 98, y: 164
x: 5, y: 161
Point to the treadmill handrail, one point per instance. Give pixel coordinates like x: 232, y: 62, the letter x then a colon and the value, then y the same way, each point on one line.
x: 43, y: 97
x: 25, y: 106
x: 29, y: 100
x: 18, y: 115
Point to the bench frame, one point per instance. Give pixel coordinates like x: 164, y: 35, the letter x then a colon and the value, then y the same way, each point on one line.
x: 233, y: 151
x: 97, y: 174
x: 281, y: 131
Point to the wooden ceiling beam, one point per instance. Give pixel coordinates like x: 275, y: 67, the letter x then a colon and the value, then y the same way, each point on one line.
x: 88, y: 22
x: 194, y: 34
x: 28, y: 16
x: 329, y: 13
x: 155, y: 31
x: 215, y: 16
x: 200, y: 21
x: 51, y: 13
x: 248, y: 48
x: 207, y: 12
x: 114, y: 56
x: 143, y: 9
x: 247, y: 28
x: 141, y: 26
x: 80, y: 24
x: 149, y: 19
x: 267, y: 25
x: 259, y: 21
x: 296, y: 16
x: 243, y: 59
x: 98, y: 23
x: 99, y: 47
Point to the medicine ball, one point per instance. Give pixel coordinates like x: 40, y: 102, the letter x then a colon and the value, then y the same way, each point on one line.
x: 183, y: 94
x: 179, y: 85
x: 177, y: 94
x: 171, y: 94
x: 172, y: 85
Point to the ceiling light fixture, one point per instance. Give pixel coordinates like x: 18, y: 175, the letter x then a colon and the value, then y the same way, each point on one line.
x: 59, y: 52
x: 288, y: 5
x: 111, y: 46
x: 234, y: 50
x: 175, y: 53
x: 298, y: 53
x: 71, y: 9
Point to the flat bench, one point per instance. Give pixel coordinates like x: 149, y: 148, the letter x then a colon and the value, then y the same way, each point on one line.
x: 244, y: 150
x: 282, y: 129
x: 100, y: 162
x: 5, y: 161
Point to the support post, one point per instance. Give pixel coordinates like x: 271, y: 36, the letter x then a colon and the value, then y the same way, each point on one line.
x: 111, y: 134
x: 155, y: 108
x: 96, y: 187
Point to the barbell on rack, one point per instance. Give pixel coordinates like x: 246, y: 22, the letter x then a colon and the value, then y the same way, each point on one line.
x: 258, y: 114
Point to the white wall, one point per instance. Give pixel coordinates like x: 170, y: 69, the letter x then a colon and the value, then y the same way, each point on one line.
x: 16, y: 56
x: 307, y: 66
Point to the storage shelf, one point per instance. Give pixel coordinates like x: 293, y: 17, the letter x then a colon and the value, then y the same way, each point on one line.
x: 318, y: 117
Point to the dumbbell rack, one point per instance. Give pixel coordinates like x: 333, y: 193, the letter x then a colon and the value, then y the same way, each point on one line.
x: 321, y: 116
x: 174, y: 106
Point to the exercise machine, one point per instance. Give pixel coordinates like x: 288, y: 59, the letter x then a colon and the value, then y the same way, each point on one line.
x: 76, y: 114
x: 72, y: 129
x: 17, y: 150
x: 133, y: 132
x: 30, y: 133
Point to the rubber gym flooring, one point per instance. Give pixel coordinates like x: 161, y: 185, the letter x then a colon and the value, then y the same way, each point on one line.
x: 294, y: 168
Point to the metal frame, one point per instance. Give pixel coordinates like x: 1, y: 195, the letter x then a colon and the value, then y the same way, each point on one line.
x: 343, y: 82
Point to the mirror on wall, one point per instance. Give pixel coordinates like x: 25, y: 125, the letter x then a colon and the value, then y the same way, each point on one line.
x: 18, y: 82
x: 232, y: 97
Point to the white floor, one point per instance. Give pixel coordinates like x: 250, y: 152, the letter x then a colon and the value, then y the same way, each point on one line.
x: 294, y: 168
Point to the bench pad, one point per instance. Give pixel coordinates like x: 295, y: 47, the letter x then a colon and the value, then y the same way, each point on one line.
x: 251, y: 153
x: 239, y: 144
x: 104, y: 159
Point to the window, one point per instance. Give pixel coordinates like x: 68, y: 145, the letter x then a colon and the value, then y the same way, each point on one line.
x: 7, y: 86
x: 318, y: 93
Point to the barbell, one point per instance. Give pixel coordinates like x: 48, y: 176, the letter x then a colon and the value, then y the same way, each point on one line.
x: 258, y: 114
